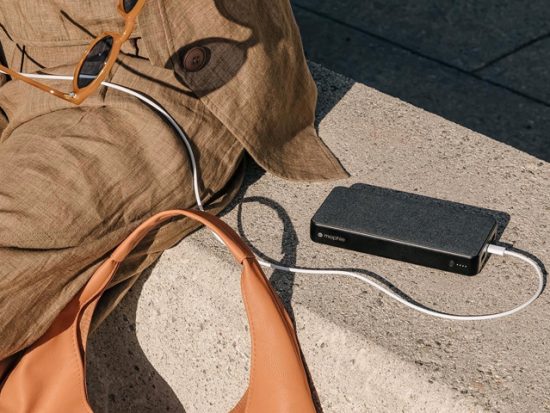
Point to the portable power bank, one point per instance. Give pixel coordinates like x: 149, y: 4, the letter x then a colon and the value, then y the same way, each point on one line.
x: 405, y: 227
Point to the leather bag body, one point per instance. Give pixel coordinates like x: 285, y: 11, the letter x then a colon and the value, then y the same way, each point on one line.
x: 50, y: 376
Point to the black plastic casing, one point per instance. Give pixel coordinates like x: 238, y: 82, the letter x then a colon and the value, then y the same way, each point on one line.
x: 405, y: 227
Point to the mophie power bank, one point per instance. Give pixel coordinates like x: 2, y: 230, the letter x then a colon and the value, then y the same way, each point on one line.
x: 405, y: 227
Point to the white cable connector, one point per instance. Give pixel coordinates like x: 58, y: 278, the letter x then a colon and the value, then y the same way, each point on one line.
x: 496, y: 250
x: 491, y: 248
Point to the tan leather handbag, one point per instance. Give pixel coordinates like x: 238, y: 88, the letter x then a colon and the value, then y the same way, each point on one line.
x: 50, y: 377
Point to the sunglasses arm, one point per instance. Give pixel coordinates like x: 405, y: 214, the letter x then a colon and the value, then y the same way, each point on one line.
x: 41, y: 86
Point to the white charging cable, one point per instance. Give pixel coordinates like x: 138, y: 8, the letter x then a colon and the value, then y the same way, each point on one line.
x: 491, y: 249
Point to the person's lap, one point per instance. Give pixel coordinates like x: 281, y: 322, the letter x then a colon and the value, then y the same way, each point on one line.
x: 73, y: 183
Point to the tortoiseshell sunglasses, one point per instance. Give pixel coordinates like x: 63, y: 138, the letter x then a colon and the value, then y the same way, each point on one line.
x: 97, y: 61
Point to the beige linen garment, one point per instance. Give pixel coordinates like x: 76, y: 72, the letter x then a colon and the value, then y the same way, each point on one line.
x: 75, y: 181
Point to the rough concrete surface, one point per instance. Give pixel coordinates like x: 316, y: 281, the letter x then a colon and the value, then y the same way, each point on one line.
x: 191, y: 327
x: 179, y: 341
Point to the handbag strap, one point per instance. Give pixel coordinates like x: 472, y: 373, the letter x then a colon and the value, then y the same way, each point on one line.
x: 50, y: 376
x: 235, y: 244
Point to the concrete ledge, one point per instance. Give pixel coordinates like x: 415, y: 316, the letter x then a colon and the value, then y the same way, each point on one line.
x: 179, y: 342
x: 192, y: 330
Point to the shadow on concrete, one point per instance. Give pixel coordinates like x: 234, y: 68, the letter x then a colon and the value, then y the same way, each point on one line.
x: 120, y: 377
x: 330, y: 90
x: 335, y: 37
x: 282, y: 281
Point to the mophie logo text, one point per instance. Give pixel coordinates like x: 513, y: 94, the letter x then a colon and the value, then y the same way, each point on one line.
x: 331, y: 237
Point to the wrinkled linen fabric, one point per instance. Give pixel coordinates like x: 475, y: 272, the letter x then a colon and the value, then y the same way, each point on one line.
x: 76, y: 180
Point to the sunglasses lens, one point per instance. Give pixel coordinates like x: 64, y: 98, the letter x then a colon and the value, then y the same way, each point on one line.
x: 129, y: 5
x: 95, y: 61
